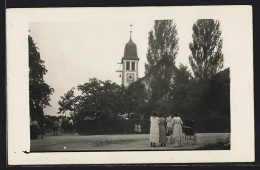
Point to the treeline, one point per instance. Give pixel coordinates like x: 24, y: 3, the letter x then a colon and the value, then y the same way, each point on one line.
x: 202, y: 92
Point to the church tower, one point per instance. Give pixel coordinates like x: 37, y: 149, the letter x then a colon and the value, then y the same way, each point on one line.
x: 130, y: 62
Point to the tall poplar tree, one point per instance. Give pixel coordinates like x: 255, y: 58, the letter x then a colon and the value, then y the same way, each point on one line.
x: 206, y: 57
x: 162, y: 50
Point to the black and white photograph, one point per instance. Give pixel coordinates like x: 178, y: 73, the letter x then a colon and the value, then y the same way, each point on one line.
x: 122, y: 81
x: 155, y: 99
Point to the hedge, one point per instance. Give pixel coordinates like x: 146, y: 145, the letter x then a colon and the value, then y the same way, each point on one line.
x: 100, y: 127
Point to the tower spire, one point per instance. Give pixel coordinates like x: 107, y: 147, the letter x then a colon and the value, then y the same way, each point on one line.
x: 130, y: 31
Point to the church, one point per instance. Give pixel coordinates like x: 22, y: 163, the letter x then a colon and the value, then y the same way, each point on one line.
x: 129, y: 64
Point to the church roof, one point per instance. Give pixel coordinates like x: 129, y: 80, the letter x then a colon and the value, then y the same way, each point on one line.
x: 130, y: 52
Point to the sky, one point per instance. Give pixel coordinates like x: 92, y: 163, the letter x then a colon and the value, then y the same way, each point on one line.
x: 74, y: 52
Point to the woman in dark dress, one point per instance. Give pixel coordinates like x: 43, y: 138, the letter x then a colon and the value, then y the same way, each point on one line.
x: 162, y: 130
x: 43, y: 130
x: 34, y: 128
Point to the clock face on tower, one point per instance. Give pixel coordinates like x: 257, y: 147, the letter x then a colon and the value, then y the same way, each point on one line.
x: 130, y: 77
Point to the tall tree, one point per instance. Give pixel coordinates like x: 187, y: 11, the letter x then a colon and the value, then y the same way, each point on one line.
x: 162, y: 42
x: 179, y: 89
x: 135, y: 100
x: 206, y: 57
x: 162, y: 50
x: 99, y: 99
x: 67, y: 102
x: 39, y: 91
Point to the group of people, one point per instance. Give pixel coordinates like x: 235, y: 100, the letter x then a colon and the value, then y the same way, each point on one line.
x: 36, y: 129
x: 57, y: 126
x: 161, y: 127
x: 40, y: 129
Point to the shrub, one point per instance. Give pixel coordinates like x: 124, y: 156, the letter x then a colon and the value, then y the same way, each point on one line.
x: 114, y: 126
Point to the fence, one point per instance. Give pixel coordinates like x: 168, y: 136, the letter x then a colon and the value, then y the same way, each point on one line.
x: 100, y: 127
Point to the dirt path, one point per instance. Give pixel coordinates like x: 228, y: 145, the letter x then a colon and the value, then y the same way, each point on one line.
x: 71, y: 142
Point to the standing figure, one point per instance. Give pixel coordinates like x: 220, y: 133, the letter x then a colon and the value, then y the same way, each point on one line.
x: 154, y: 130
x: 59, y: 127
x: 70, y: 124
x: 34, y: 128
x: 135, y: 128
x: 169, y: 125
x: 55, y: 127
x: 139, y: 128
x: 177, y: 129
x: 162, y: 130
x: 43, y: 130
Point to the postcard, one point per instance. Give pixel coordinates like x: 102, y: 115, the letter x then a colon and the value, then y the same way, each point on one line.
x: 124, y: 85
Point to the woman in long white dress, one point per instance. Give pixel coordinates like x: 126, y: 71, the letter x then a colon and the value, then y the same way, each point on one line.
x: 177, y: 129
x: 154, y: 130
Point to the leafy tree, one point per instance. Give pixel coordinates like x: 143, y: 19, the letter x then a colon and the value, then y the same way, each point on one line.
x: 206, y: 48
x: 135, y: 100
x: 105, y: 100
x: 99, y: 99
x: 67, y: 102
x: 179, y: 90
x: 39, y: 91
x: 161, y: 56
x: 182, y: 75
